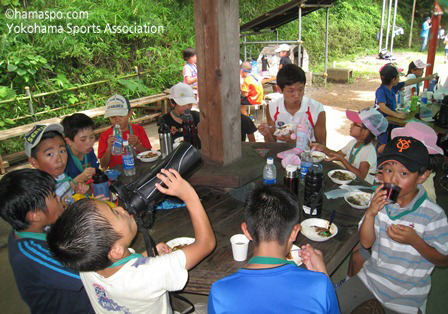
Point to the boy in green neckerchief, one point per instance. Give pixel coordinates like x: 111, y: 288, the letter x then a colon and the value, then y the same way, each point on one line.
x: 80, y: 138
x: 269, y: 283
x: 407, y: 238
x: 29, y: 204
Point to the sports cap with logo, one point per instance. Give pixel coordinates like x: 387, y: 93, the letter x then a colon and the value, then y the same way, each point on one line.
x: 32, y: 138
x: 422, y: 132
x: 283, y: 47
x: 407, y: 151
x: 117, y: 106
x: 419, y: 64
x: 374, y: 121
x: 182, y: 94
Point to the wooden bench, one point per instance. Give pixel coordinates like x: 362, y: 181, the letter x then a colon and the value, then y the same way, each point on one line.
x: 139, y: 103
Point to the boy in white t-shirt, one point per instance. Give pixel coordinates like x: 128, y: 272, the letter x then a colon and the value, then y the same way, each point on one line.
x: 94, y: 239
x: 292, y: 107
x: 359, y: 155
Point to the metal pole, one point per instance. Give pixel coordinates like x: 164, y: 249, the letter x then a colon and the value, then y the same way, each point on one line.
x: 299, y: 53
x: 326, y: 45
x: 388, y: 23
x: 382, y: 24
x: 245, y: 48
x: 30, y: 102
x: 412, y: 24
x: 393, y: 26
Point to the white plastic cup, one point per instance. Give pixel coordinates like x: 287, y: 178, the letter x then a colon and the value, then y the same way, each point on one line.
x: 240, y: 245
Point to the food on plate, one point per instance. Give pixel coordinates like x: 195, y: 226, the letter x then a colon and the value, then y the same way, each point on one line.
x: 343, y: 176
x: 149, y: 155
x: 178, y: 247
x: 359, y: 199
x: 322, y: 231
x: 284, y: 129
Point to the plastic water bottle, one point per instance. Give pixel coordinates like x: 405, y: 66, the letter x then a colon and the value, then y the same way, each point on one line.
x: 424, y: 97
x: 313, y: 183
x: 306, y: 161
x: 302, y: 136
x: 117, y: 146
x: 269, y: 172
x: 128, y: 160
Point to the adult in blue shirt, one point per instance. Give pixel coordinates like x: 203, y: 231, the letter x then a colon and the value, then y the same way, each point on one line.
x: 270, y: 283
x: 425, y: 32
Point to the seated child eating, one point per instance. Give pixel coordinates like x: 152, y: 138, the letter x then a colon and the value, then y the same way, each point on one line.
x: 79, y: 136
x: 29, y: 204
x: 118, y: 110
x: 292, y: 107
x: 94, y: 239
x: 269, y: 283
x: 407, y: 238
x: 47, y: 151
x: 359, y: 155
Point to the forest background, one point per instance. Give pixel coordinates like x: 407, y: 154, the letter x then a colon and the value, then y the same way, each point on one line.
x: 52, y: 61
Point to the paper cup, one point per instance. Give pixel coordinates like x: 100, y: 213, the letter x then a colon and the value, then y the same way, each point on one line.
x: 240, y: 245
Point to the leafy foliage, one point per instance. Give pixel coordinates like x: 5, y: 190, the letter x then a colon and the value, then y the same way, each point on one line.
x: 84, y: 52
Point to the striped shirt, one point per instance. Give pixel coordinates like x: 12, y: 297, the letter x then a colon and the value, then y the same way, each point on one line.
x: 396, y: 273
x: 44, y: 284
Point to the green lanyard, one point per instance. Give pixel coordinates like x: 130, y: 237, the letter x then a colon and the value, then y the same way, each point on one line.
x: 125, y: 260
x: 269, y: 260
x: 31, y: 235
x: 414, y: 208
x: 78, y: 163
x: 352, y: 156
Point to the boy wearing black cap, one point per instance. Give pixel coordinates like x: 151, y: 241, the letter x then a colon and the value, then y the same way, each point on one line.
x: 407, y: 238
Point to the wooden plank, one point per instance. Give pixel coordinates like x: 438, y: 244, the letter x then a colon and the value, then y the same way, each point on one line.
x: 13, y: 132
x: 216, y: 28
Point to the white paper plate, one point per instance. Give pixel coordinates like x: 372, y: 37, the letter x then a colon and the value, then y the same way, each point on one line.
x: 180, y: 241
x: 318, y: 156
x: 362, y: 197
x: 151, y: 159
x: 308, y: 230
x: 337, y: 181
x: 295, y: 255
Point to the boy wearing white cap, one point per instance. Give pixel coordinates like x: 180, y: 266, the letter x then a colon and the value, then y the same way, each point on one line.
x: 415, y: 70
x: 283, y: 52
x: 182, y: 100
x: 118, y: 110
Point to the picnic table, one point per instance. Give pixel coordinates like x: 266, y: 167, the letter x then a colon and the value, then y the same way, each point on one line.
x: 411, y: 118
x: 226, y: 215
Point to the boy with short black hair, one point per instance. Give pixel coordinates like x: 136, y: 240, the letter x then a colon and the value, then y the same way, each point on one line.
x: 292, y: 107
x: 270, y: 283
x: 29, y: 204
x: 79, y: 136
x: 118, y: 110
x: 94, y: 238
x: 407, y: 238
x: 47, y: 151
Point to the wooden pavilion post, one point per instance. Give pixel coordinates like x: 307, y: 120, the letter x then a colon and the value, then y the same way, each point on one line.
x: 217, y: 48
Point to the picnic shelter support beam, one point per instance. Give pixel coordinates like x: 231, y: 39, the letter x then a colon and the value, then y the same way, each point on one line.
x: 217, y: 28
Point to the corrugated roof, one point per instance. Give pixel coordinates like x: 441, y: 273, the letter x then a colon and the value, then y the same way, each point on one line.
x: 283, y: 15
